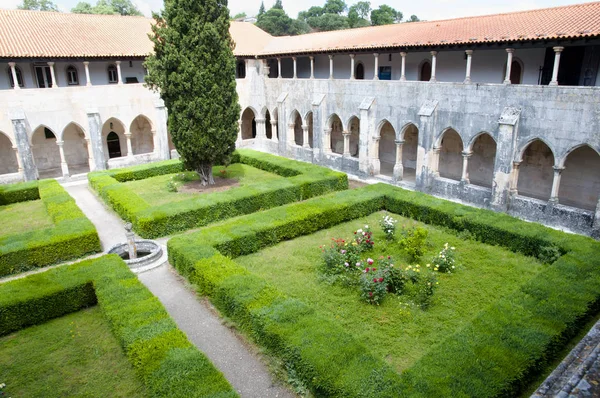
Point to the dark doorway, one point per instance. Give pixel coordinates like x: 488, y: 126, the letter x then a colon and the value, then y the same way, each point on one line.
x: 425, y: 72
x: 240, y: 70
x: 114, y: 145
x: 516, y: 71
x: 360, y: 72
x: 569, y: 71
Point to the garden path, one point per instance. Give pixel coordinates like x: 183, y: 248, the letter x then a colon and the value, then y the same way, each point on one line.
x: 197, y: 318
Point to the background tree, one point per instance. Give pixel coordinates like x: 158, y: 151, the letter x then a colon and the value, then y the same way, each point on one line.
x: 413, y: 18
x: 278, y: 5
x: 122, y: 7
x: 261, y: 10
x: 335, y: 7
x: 278, y: 23
x: 239, y: 15
x: 358, y: 14
x: 193, y: 68
x: 385, y: 15
x: 38, y: 5
x: 328, y: 22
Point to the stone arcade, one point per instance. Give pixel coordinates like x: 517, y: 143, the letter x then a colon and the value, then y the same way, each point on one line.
x: 499, y: 111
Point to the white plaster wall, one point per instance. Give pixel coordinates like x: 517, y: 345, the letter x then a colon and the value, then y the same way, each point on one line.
x: 75, y: 147
x: 45, y: 151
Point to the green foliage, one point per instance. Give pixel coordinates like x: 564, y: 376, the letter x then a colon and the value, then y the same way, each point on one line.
x: 118, y: 7
x: 193, y: 68
x: 445, y: 260
x: 261, y: 10
x: 414, y: 241
x: 305, y: 181
x: 327, y: 22
x: 277, y: 23
x: 160, y: 353
x: 385, y: 15
x: 335, y: 7
x: 38, y: 5
x: 240, y: 15
x: 19, y: 192
x: 373, y: 285
x: 413, y: 18
x: 516, y: 335
x: 72, y: 235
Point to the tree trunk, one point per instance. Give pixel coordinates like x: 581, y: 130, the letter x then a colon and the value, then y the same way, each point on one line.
x: 206, y: 174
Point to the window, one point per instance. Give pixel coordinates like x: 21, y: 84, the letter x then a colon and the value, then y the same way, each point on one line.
x: 72, y: 76
x: 19, y: 77
x: 48, y: 133
x: 114, y: 145
x: 425, y: 74
x: 131, y: 80
x: 240, y: 70
x: 113, y: 76
x: 43, y: 76
x: 385, y: 73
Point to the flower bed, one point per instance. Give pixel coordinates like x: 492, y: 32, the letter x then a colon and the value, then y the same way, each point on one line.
x: 163, y: 358
x: 302, y: 181
x: 495, y: 352
x: 71, y: 236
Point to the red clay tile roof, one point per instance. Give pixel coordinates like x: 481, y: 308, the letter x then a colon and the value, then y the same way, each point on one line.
x: 35, y: 34
x: 38, y: 34
x: 581, y: 20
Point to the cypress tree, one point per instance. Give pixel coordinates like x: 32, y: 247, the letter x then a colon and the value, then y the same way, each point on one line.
x: 261, y: 10
x: 193, y: 69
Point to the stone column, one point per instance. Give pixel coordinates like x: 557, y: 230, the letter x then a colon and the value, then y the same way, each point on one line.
x: 305, y: 136
x: 352, y: 74
x: 596, y: 223
x: 295, y: 68
x: 346, y: 136
x: 279, y: 68
x: 53, y: 76
x: 63, y: 162
x: 25, y: 157
x: 465, y: 167
x: 239, y: 137
x: 435, y: 161
x: 509, y: 58
x: 331, y: 66
x: 468, y: 73
x: 13, y: 71
x: 403, y: 73
x: 376, y: 71
x: 261, y: 131
x: 398, y: 167
x: 274, y: 131
x: 291, y: 134
x: 19, y: 163
x: 506, y: 173
x: 375, y: 162
x: 95, y: 132
x: 425, y: 156
x: 129, y: 146
x: 557, y: 51
x: 327, y: 140
x: 118, y: 63
x: 556, y: 184
x: 433, y: 65
x: 88, y: 81
x: 312, y: 67
x: 161, y: 146
x: 88, y: 147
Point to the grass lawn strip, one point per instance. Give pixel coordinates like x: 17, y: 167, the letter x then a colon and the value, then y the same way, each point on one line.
x: 154, y: 190
x: 497, y: 353
x: 167, y: 363
x: 23, y: 217
x: 301, y: 181
x: 397, y: 331
x: 71, y: 234
x: 76, y: 355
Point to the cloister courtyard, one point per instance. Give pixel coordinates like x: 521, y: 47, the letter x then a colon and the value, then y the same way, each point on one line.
x: 284, y: 280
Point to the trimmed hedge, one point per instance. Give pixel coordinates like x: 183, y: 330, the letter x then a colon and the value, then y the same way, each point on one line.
x: 72, y: 235
x: 303, y: 181
x: 160, y: 353
x: 496, y: 354
x: 20, y: 192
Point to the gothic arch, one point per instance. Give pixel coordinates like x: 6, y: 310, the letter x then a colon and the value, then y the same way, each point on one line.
x: 8, y: 156
x: 482, y: 161
x: 450, y: 157
x: 536, y: 171
x: 580, y: 178
x: 142, y: 138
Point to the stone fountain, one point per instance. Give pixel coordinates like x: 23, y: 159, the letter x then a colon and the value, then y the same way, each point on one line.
x: 139, y: 255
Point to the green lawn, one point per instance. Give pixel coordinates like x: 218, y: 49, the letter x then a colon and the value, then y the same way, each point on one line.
x: 75, y: 355
x: 396, y: 331
x: 23, y: 217
x: 154, y: 190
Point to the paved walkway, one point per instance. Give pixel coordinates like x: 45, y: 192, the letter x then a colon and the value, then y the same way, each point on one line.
x: 195, y: 317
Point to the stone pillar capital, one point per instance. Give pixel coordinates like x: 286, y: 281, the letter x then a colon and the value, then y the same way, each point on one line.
x: 60, y: 143
x: 399, y: 142
x: 516, y: 164
x: 330, y: 56
x: 558, y: 170
x: 434, y: 53
x: 273, y: 122
x: 50, y: 63
x: 352, y: 55
x: 467, y: 154
x: 558, y: 49
x: 260, y: 120
x: 311, y: 57
x: 327, y: 131
x: 86, y: 63
x: 403, y: 54
x: 294, y: 58
x: 376, y: 54
x: 117, y: 62
x: 469, y: 52
x: 127, y: 134
x: 291, y: 125
x: 510, y: 50
x: 12, y: 64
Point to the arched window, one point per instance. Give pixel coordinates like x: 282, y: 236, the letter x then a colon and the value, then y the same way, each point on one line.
x: 113, y: 76
x: 425, y: 72
x: 240, y: 70
x: 19, y: 77
x: 360, y: 71
x: 114, y: 145
x: 72, y: 76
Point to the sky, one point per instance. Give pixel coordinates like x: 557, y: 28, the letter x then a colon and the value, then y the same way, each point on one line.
x: 429, y: 10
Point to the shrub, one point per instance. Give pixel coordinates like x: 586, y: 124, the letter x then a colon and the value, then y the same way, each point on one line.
x: 445, y: 260
x: 414, y: 242
x: 160, y: 353
x: 388, y: 226
x: 373, y: 285
x: 20, y: 192
x: 364, y: 239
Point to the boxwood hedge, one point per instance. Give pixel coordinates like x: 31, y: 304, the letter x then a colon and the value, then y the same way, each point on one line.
x: 160, y: 353
x: 20, y: 192
x: 72, y: 235
x: 496, y: 354
x: 303, y: 181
